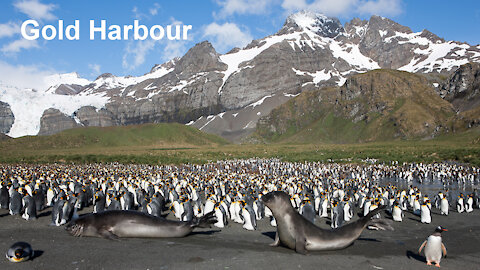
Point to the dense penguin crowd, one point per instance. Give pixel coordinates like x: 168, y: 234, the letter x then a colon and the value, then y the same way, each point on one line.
x: 233, y: 189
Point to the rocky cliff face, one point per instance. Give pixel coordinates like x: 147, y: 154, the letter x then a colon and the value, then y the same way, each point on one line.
x: 6, y: 118
x: 462, y: 89
x: 53, y: 121
x: 227, y: 94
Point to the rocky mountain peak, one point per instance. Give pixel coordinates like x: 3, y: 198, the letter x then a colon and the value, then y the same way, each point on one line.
x: 200, y: 58
x: 105, y: 76
x: 318, y: 23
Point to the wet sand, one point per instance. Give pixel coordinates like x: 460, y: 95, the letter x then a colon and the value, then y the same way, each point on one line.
x: 235, y: 248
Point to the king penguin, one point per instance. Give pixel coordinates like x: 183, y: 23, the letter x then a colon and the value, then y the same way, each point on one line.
x: 19, y: 252
x: 425, y: 216
x: 15, y: 204
x: 444, y: 206
x: 249, y: 220
x: 30, y: 207
x: 397, y: 213
x: 434, y: 248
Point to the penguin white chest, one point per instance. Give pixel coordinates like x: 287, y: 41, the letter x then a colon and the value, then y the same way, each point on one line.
x: 433, y: 248
x: 425, y: 214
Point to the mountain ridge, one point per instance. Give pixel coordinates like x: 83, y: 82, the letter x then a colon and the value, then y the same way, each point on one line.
x: 226, y: 94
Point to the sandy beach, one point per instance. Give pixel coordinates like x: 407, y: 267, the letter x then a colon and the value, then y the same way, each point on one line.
x: 235, y: 248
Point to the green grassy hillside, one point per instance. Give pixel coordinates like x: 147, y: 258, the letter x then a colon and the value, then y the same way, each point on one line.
x: 161, y: 135
x: 379, y: 105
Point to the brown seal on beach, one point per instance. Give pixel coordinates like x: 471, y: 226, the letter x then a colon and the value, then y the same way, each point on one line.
x: 116, y: 223
x: 295, y: 232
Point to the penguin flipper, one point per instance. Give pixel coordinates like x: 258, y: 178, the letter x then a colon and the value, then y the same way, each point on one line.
x: 422, y: 246
x: 444, y: 250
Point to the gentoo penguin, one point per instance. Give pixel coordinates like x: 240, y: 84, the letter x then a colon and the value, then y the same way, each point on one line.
x: 425, y: 216
x: 434, y: 248
x: 444, y: 206
x: 397, y: 213
x: 19, y: 252
x: 307, y: 211
x: 30, y: 208
x: 249, y: 220
x: 15, y: 204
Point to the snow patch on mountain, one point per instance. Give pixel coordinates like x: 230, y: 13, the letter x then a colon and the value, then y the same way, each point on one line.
x: 28, y: 105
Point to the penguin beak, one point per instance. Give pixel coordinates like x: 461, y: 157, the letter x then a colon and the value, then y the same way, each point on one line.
x: 444, y: 230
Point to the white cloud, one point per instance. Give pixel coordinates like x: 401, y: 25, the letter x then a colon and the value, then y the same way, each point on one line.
x: 95, y: 69
x: 36, y: 10
x: 230, y: 7
x: 9, y: 29
x: 346, y: 8
x: 24, y: 76
x: 381, y: 7
x: 154, y: 10
x: 17, y: 45
x: 226, y: 36
x: 173, y: 49
x: 135, y: 54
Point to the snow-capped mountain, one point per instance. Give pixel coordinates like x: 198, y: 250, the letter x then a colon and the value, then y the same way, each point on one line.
x: 227, y: 94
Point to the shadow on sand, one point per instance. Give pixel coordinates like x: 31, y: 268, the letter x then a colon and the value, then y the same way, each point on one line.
x: 415, y: 256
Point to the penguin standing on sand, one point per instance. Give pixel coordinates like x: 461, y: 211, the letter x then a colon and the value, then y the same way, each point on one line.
x: 57, y: 211
x: 30, y: 207
x: 249, y: 219
x: 221, y: 215
x: 434, y: 248
x: 15, y: 205
x: 469, y: 204
x: 337, y: 215
x: 397, y: 213
x: 425, y: 215
x: 444, y: 206
x: 39, y: 197
x: 460, y: 204
x: 4, y: 197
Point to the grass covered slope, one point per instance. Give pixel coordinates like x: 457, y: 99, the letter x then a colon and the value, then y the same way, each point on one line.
x: 379, y: 105
x: 161, y: 135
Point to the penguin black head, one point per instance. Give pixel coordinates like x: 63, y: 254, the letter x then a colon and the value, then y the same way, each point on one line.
x: 440, y: 229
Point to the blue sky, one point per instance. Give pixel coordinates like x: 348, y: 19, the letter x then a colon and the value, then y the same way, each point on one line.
x: 225, y: 23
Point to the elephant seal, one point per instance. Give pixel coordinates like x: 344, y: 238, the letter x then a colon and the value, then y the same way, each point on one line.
x: 295, y: 232
x: 117, y: 223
